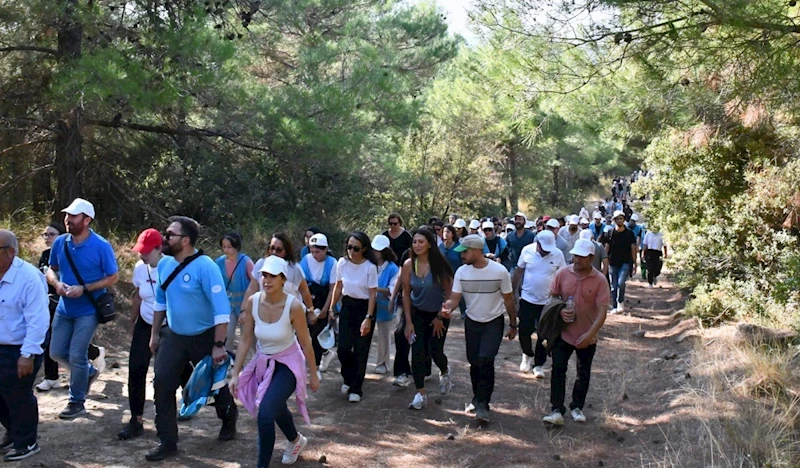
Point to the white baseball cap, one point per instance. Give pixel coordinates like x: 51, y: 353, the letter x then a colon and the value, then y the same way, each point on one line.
x: 547, y: 240
x: 635, y: 217
x: 583, y: 248
x: 529, y: 224
x: 380, y: 242
x: 273, y: 265
x: 598, y: 216
x: 584, y: 221
x: 487, y: 225
x: 318, y: 240
x: 326, y: 339
x: 519, y: 213
x: 553, y: 223
x: 80, y: 206
x: 460, y: 223
x: 617, y: 214
x: 474, y: 224
x: 573, y: 220
x: 586, y: 234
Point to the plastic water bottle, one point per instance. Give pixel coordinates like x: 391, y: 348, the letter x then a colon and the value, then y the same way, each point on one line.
x: 571, y: 306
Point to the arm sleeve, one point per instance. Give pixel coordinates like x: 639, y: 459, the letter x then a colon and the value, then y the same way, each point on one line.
x: 555, y: 286
x: 37, y: 315
x: 161, y: 297
x: 107, y: 260
x: 58, y: 245
x: 505, y: 283
x: 214, y: 289
x: 372, y: 276
x: 603, y: 295
x: 457, y: 282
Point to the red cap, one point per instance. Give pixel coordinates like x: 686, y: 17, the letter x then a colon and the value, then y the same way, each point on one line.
x: 545, y: 218
x: 148, y: 240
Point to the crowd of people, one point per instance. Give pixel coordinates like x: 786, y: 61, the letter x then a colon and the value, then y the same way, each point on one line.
x: 557, y: 278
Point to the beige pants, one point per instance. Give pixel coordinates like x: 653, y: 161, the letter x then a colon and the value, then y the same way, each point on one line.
x: 384, y: 332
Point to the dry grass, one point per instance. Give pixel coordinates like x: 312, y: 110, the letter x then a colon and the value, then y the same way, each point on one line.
x: 745, y: 407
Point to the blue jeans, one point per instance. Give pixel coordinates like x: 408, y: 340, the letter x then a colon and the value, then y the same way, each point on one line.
x: 68, y: 346
x: 273, y: 410
x: 619, y: 275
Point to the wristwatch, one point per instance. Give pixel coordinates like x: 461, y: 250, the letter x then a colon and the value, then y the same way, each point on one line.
x: 220, y: 344
x: 85, y: 289
x: 371, y: 318
x: 26, y: 355
x: 514, y: 326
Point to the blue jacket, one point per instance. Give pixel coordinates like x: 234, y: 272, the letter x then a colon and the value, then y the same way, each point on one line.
x: 205, y: 382
x: 238, y: 283
x: 384, y: 313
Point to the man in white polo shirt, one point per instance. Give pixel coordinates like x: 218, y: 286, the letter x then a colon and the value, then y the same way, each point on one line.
x: 538, y: 264
x: 486, y: 286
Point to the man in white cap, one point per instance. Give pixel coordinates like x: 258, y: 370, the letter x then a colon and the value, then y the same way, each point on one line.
x: 536, y: 268
x: 585, y: 291
x: 571, y: 233
x: 622, y: 253
x: 486, y: 287
x: 80, y: 252
x: 636, y: 228
x: 553, y: 226
x: 600, y: 261
x: 520, y: 238
x: 597, y: 226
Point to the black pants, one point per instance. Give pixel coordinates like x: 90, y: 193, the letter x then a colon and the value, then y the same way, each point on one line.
x: 19, y: 411
x: 353, y: 348
x: 427, y: 347
x: 562, y: 351
x: 483, y: 342
x: 401, y: 349
x: 315, y: 330
x: 138, y: 363
x: 654, y: 264
x: 174, y: 353
x: 529, y: 315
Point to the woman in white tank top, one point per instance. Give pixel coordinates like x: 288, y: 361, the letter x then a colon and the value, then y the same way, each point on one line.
x: 278, y: 322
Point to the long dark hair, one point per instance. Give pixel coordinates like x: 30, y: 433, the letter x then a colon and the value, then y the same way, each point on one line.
x: 453, y: 231
x: 288, y: 248
x: 440, y: 267
x: 366, y: 246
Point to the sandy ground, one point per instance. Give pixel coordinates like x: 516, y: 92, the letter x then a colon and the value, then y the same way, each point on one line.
x: 630, y: 408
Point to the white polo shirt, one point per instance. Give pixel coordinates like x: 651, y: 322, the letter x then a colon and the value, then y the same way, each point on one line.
x: 653, y: 241
x: 539, y: 273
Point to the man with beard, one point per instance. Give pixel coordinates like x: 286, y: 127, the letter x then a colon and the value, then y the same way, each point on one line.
x: 520, y: 238
x: 571, y: 233
x: 597, y: 226
x: 191, y: 295
x: 75, y: 320
x: 486, y: 286
x: 621, y: 247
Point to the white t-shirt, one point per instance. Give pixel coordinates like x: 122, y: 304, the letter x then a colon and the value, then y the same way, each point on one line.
x: 317, y: 268
x: 483, y: 289
x: 145, y: 280
x: 357, y: 280
x: 539, y: 273
x: 653, y: 241
x: 294, y: 276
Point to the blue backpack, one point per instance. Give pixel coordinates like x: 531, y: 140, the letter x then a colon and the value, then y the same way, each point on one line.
x: 203, y: 385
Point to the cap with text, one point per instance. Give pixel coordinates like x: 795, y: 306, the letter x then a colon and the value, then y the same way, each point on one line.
x: 318, y: 240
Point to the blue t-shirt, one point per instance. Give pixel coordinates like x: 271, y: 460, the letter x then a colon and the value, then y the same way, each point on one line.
x: 453, y: 257
x: 94, y: 258
x: 195, y: 300
x: 516, y: 244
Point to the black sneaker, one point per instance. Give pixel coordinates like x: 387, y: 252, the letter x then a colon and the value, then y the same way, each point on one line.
x: 161, y: 452
x: 7, y: 444
x: 72, y: 411
x: 228, y: 431
x: 131, y: 430
x: 482, y: 413
x: 92, y: 379
x: 23, y: 453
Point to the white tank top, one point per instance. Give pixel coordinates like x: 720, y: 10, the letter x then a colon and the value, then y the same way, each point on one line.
x: 274, y: 337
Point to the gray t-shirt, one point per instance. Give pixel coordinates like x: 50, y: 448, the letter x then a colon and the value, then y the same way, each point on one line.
x: 426, y: 295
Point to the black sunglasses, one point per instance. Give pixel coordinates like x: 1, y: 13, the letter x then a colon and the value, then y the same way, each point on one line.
x: 354, y: 248
x: 169, y: 235
x: 394, y: 223
x: 275, y: 249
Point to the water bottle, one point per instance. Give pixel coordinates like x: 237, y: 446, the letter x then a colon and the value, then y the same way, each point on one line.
x: 571, y: 306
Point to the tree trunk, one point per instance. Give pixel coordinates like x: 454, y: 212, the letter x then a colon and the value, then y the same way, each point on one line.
x: 554, y: 197
x: 42, y: 188
x: 69, y: 161
x: 513, y: 195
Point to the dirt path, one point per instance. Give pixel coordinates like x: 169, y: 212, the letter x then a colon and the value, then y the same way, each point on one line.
x: 630, y: 409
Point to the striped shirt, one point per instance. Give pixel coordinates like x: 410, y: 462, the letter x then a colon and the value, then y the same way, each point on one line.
x: 483, y: 289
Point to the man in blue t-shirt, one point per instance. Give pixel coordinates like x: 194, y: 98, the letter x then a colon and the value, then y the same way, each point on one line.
x: 75, y: 320
x: 197, y: 310
x: 519, y: 239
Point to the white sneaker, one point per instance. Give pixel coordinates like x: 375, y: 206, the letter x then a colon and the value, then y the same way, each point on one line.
x: 418, y: 402
x: 620, y: 308
x: 612, y: 312
x: 325, y: 362
x: 100, y: 362
x: 650, y: 286
x: 354, y: 398
x: 401, y: 381
x: 470, y: 409
x: 293, y: 450
x: 381, y: 369
x: 445, y: 384
x: 46, y: 385
x: 538, y: 372
x: 525, y: 365
x: 345, y: 389
x: 555, y: 418
x: 578, y: 416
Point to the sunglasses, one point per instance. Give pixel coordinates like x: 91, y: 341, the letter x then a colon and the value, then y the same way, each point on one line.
x: 354, y: 248
x: 169, y: 235
x: 393, y: 223
x: 272, y: 248
x: 48, y: 235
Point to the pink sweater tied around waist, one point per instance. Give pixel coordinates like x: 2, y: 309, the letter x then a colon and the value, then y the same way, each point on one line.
x: 257, y: 375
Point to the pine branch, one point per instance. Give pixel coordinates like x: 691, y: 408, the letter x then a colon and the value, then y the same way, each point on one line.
x: 43, y: 50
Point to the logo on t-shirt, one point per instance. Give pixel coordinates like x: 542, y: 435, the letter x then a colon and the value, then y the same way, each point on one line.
x: 216, y: 289
x: 187, y: 277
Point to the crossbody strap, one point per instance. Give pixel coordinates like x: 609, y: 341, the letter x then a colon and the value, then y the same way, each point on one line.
x: 228, y: 286
x: 179, y: 268
x: 78, y: 275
